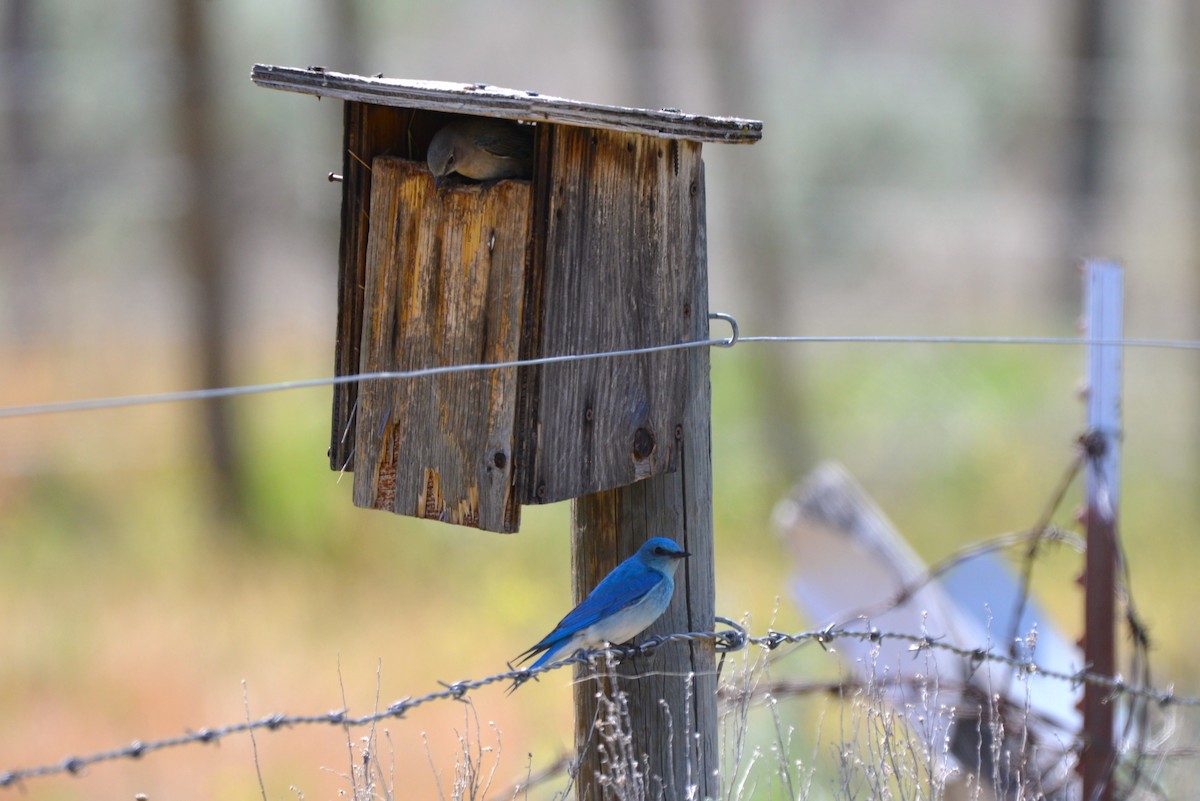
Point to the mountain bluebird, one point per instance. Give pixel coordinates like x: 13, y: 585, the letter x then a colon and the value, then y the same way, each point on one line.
x: 482, y: 148
x: 624, y: 604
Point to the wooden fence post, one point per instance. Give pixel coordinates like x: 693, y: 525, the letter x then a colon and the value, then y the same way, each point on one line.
x: 671, y: 694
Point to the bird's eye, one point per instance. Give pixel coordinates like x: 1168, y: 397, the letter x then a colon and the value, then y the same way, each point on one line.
x: 451, y: 159
x: 661, y: 551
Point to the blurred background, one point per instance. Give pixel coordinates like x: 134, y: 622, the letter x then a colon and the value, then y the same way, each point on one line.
x: 927, y: 169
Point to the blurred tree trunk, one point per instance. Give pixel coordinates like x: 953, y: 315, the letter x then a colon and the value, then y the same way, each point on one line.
x: 768, y: 268
x: 638, y: 23
x: 19, y: 78
x: 1190, y: 103
x: 1088, y: 139
x: 345, y: 36
x: 25, y: 215
x: 203, y: 247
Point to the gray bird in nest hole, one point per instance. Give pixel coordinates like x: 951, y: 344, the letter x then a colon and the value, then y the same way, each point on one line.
x: 481, y: 148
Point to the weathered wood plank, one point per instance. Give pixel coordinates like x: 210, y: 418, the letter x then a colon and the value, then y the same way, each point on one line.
x: 494, y: 101
x: 369, y: 131
x: 680, y: 748
x: 444, y: 283
x: 613, y: 268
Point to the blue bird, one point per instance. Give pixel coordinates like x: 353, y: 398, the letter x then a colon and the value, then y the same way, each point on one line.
x: 624, y: 604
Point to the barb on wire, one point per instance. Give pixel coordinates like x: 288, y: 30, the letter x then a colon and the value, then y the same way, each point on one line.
x: 726, y: 640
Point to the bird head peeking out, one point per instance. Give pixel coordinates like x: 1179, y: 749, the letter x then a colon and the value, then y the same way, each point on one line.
x: 481, y: 148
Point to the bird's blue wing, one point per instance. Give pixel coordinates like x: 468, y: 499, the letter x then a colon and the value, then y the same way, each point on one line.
x: 623, y: 587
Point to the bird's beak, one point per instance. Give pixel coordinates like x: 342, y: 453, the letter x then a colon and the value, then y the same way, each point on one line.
x: 437, y: 183
x: 681, y: 555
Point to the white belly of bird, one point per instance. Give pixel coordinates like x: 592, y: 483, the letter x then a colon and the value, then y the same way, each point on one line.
x: 624, y: 625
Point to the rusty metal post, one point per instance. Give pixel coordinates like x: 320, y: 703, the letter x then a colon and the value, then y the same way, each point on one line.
x: 1104, y: 299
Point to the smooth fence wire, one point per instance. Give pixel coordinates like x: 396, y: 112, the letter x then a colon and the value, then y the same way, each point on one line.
x: 725, y: 641
x: 121, y: 401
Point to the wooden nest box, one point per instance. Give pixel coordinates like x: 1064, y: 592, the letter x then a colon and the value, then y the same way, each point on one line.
x: 601, y: 249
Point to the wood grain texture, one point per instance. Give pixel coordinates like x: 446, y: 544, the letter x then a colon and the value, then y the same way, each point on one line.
x: 610, y: 526
x: 614, y: 267
x: 494, y: 101
x: 443, y: 286
x: 368, y: 131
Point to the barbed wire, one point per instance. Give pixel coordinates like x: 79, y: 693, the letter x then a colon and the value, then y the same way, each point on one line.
x: 182, y: 396
x: 734, y: 638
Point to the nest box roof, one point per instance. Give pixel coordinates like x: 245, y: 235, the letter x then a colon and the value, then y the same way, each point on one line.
x: 494, y: 101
